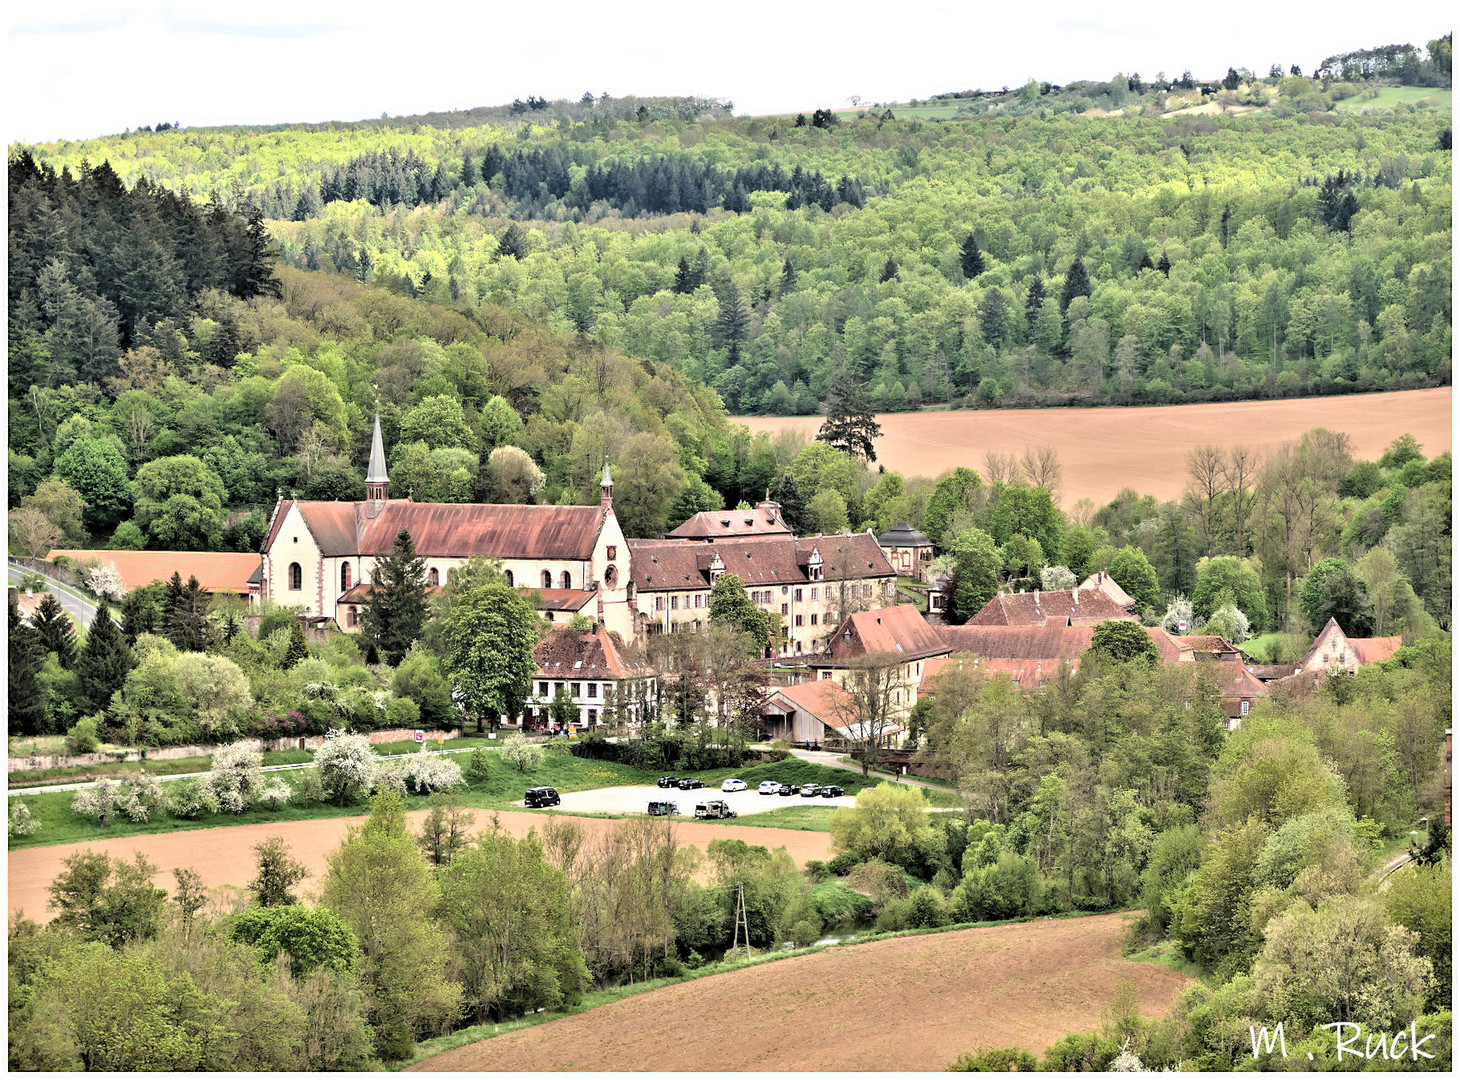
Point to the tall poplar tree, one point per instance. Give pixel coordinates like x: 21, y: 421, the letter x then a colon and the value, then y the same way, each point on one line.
x: 395, y: 613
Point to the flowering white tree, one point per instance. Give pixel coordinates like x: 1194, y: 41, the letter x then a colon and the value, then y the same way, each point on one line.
x: 1177, y: 612
x: 275, y: 794
x: 139, y: 796
x: 385, y: 775
x: 190, y: 798
x: 21, y: 821
x: 237, y: 776
x: 1052, y: 578
x: 523, y: 754
x: 104, y: 581
x: 98, y: 802
x: 425, y: 773
x: 1230, y: 623
x: 346, y: 764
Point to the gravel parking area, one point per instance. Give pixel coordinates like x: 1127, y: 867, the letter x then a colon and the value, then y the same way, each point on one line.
x: 636, y: 799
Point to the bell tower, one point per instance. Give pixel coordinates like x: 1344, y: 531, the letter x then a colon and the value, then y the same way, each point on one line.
x: 377, y: 481
x: 605, y: 488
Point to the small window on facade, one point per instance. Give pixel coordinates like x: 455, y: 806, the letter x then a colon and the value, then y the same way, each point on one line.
x: 350, y: 616
x: 658, y: 603
x: 800, y: 620
x: 674, y: 603
x: 547, y: 579
x: 593, y: 689
x: 610, y: 576
x: 814, y: 617
x: 613, y: 551
x: 510, y: 580
x: 814, y: 591
x: 798, y: 595
x: 542, y: 689
x: 1245, y: 705
x: 577, y: 689
x: 567, y: 580
x: 296, y: 576
x: 866, y: 590
x: 344, y: 577
x: 785, y: 609
x: 433, y: 577
x: 593, y: 716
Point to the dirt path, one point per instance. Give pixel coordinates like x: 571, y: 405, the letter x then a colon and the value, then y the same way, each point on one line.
x: 224, y: 856
x: 1103, y: 450
x: 905, y: 1004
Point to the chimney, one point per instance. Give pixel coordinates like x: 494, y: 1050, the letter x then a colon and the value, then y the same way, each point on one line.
x: 1076, y: 594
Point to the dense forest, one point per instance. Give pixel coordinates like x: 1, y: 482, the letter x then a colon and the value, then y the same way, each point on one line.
x: 1121, y: 242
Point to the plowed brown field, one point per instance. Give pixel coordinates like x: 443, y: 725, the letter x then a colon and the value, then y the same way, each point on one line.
x: 224, y: 856
x: 912, y: 1003
x: 1104, y: 450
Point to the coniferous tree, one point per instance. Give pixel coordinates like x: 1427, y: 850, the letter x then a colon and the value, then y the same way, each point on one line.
x: 468, y: 169
x: 970, y: 258
x: 104, y: 661
x: 1033, y: 303
x: 143, y: 611
x: 1164, y: 265
x: 684, y: 278
x: 793, y: 503
x: 788, y: 277
x: 27, y: 704
x: 850, y: 424
x: 732, y: 322
x: 889, y: 269
x: 1077, y: 283
x: 298, y: 646
x: 396, y: 610
x: 53, y: 630
x: 511, y: 242
x: 187, y: 615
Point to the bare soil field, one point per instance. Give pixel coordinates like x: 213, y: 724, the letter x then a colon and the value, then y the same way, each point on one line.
x: 912, y: 1003
x: 1104, y: 450
x: 224, y: 856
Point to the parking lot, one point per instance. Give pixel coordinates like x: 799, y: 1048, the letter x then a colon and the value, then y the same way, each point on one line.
x: 636, y: 799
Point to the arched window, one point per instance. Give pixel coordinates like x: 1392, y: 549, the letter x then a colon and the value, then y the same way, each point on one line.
x: 296, y: 576
x: 610, y: 576
x: 510, y: 580
x: 434, y: 577
x: 344, y: 577
x: 547, y: 579
x: 567, y: 580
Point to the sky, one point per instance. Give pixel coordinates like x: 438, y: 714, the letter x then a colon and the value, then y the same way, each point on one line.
x: 90, y: 68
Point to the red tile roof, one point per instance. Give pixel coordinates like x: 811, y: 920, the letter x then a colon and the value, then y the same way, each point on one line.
x: 360, y: 592
x: 661, y: 565
x: 764, y: 520
x: 449, y: 530
x: 1047, y: 642
x: 584, y: 654
x: 1375, y: 650
x: 559, y: 599
x: 216, y: 571
x: 900, y: 630
x: 1081, y: 606
x: 1026, y: 673
x: 821, y: 698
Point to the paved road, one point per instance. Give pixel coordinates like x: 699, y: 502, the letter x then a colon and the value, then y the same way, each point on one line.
x: 831, y: 758
x: 71, y: 601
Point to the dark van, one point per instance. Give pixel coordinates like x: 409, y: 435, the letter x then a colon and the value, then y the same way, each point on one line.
x: 542, y: 796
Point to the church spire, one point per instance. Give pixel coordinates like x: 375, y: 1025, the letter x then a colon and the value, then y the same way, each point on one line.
x: 377, y: 481
x: 605, y: 487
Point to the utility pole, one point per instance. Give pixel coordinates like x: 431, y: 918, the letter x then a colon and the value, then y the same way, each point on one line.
x: 740, y: 921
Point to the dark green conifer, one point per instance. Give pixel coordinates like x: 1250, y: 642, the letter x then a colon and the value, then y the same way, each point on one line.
x: 104, y: 661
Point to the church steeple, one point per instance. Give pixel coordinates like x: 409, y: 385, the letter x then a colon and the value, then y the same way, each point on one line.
x: 377, y: 481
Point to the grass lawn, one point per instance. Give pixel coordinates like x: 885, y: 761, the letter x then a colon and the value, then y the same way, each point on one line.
x: 1390, y: 96
x: 807, y: 818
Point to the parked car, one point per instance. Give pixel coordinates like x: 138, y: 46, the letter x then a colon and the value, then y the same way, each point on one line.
x: 769, y: 787
x: 831, y: 791
x: 714, y: 809
x: 663, y: 809
x: 733, y: 785
x: 669, y: 781
x: 542, y: 796
x: 690, y: 783
x: 789, y: 789
x: 810, y: 791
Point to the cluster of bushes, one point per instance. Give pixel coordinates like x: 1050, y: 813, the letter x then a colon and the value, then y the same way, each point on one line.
x: 669, y: 751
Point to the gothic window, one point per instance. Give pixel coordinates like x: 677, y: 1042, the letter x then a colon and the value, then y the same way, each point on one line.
x: 434, y: 577
x: 547, y: 579
x: 296, y: 576
x: 345, y: 577
x: 567, y: 580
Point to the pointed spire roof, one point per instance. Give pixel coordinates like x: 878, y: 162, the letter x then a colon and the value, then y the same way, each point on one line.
x: 377, y: 474
x: 607, y: 480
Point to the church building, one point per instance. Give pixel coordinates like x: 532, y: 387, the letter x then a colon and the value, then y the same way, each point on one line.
x: 320, y: 555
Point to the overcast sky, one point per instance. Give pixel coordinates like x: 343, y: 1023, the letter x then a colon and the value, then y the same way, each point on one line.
x: 85, y: 68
